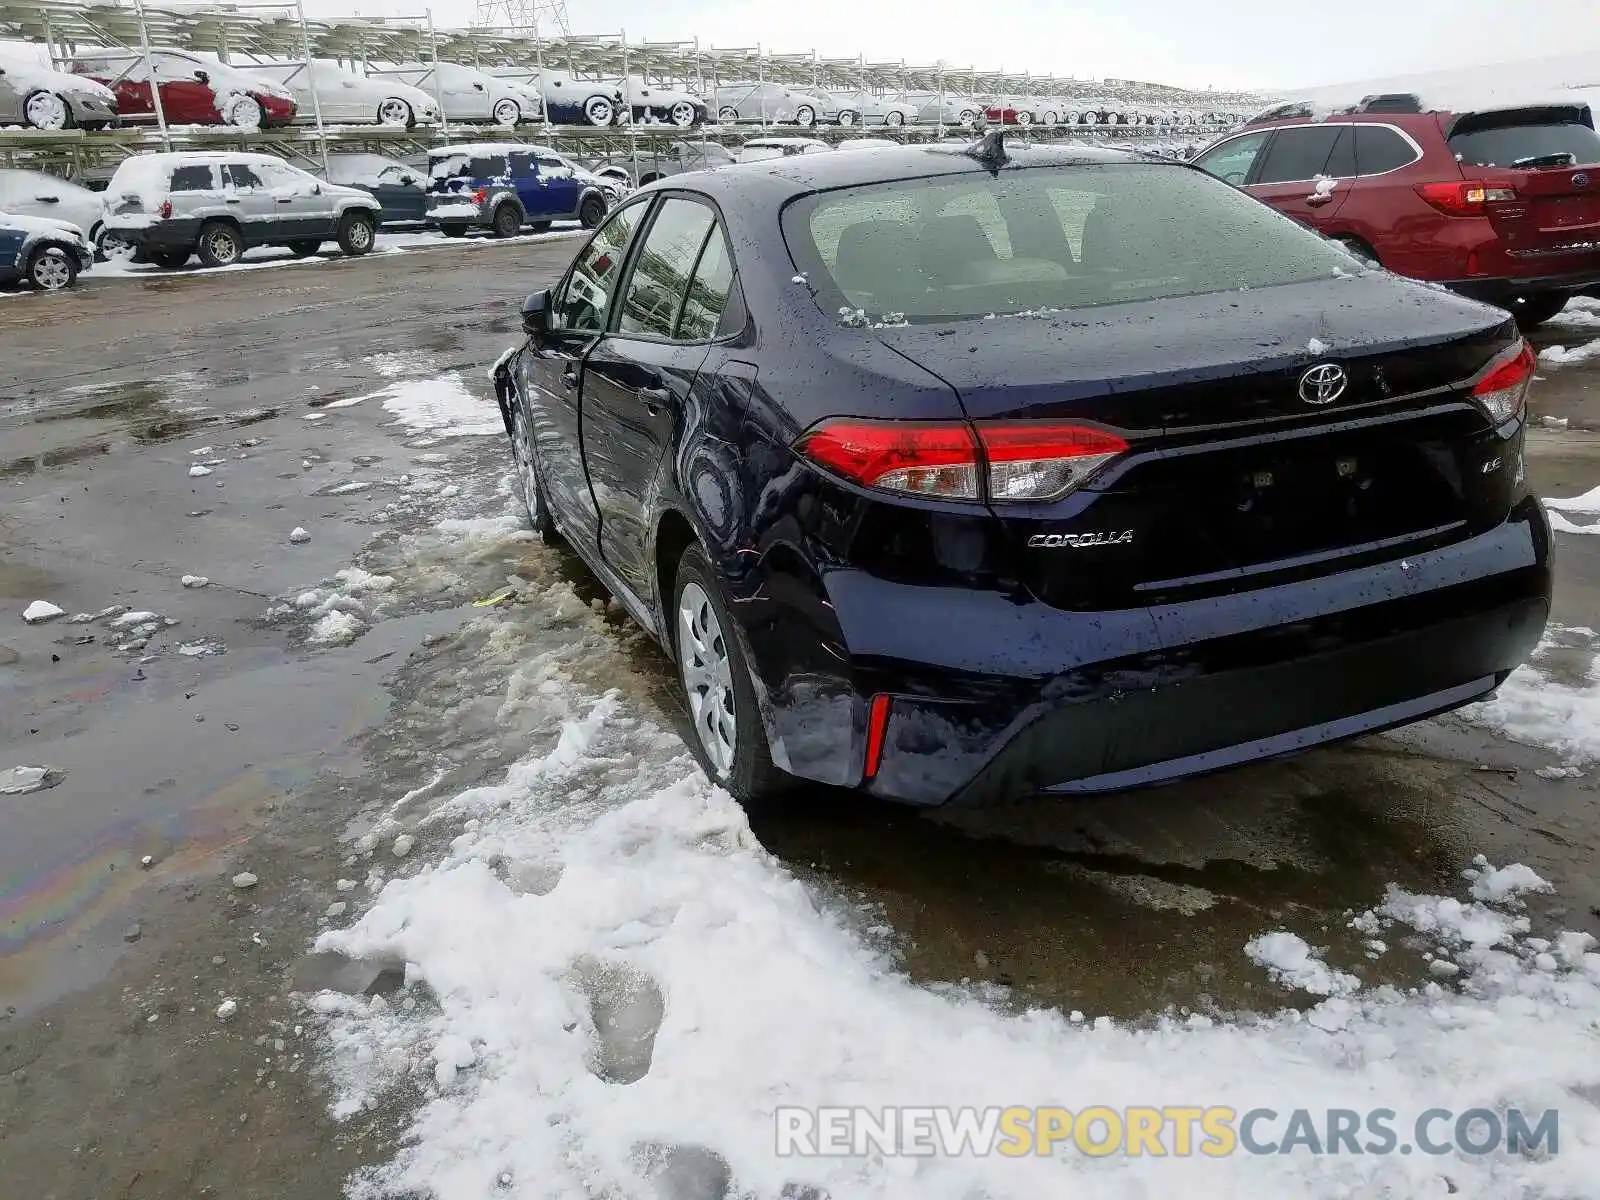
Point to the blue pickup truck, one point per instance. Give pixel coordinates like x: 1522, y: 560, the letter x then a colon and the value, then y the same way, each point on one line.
x: 503, y: 186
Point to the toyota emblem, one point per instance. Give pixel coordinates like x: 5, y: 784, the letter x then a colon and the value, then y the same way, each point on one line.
x: 1580, y: 180
x: 1323, y: 383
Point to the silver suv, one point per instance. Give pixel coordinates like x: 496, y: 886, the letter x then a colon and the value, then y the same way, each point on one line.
x: 166, y: 207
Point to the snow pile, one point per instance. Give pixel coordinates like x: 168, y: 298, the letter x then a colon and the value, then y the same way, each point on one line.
x: 341, y: 609
x: 1541, y: 711
x: 1587, y: 505
x: 441, y: 406
x: 606, y: 972
x: 1560, y: 356
x: 1291, y: 962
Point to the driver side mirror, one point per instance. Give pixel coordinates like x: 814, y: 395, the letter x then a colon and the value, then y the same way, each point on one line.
x: 536, y: 315
x: 202, y: 76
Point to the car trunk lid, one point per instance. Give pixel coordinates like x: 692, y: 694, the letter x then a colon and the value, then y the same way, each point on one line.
x: 1540, y: 168
x: 1240, y: 463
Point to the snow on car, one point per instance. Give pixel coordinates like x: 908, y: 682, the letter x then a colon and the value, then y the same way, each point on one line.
x: 37, y: 95
x: 346, y: 98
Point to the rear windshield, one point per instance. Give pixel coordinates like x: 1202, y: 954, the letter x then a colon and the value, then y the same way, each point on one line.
x: 1523, y: 139
x: 1042, y: 238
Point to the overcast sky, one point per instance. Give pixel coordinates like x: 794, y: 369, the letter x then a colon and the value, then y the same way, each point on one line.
x: 1224, y: 43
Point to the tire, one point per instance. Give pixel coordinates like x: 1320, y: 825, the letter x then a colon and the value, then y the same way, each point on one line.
x: 1533, y: 311
x: 52, y: 269
x: 243, y: 112
x: 221, y: 244
x: 529, y: 487
x: 1360, y: 249
x: 967, y: 117
x: 895, y: 117
x: 715, y: 682
x: 681, y: 114
x: 305, y: 249
x: 46, y: 110
x: 597, y: 110
x: 507, y: 221
x: 453, y: 231
x: 170, y: 259
x: 592, y: 211
x: 507, y: 112
x: 396, y: 113
x: 111, y: 247
x: 357, y: 234
x: 1024, y: 119
x: 805, y: 116
x: 728, y: 113
x: 846, y: 118
x: 1051, y: 119
x: 540, y: 226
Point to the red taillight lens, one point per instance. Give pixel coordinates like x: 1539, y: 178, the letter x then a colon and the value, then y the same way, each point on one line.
x: 1464, y: 199
x: 166, y: 210
x: 920, y: 458
x: 877, y: 723
x: 1503, y: 392
x: 1016, y: 460
x: 1041, y: 460
x: 480, y: 195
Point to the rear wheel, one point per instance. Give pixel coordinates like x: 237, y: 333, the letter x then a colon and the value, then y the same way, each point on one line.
x: 846, y: 118
x: 52, y: 269
x: 592, y: 211
x: 805, y: 115
x: 895, y: 117
x: 1533, y: 311
x: 170, y: 259
x: 727, y: 113
x: 357, y: 233
x: 539, y: 226
x: 453, y: 230
x: 304, y: 249
x: 507, y: 220
x: 727, y: 736
x: 220, y: 245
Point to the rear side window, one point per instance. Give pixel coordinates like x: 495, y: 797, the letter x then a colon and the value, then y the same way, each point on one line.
x: 1380, y: 149
x: 192, y: 179
x: 1298, y: 153
x: 1528, y: 138
x: 661, y: 271
x: 491, y: 166
x: 1044, y: 238
x: 239, y: 175
x: 707, y: 301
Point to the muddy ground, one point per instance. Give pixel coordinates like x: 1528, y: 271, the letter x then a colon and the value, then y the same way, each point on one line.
x: 227, y: 744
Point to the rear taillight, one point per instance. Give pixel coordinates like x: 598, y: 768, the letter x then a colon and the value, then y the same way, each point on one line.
x: 1003, y: 461
x: 166, y: 210
x: 480, y: 195
x: 1503, y: 392
x: 1464, y: 199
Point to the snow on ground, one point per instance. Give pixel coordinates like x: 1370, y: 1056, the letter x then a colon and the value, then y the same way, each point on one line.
x: 1561, y: 356
x: 1559, y: 714
x: 1561, y: 511
x: 442, y: 406
x: 606, y: 973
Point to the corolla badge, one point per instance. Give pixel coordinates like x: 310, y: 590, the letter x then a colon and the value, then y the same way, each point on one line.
x: 1323, y: 383
x: 1078, y: 541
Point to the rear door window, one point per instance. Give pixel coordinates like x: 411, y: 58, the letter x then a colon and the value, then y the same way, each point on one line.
x: 195, y: 178
x: 662, y: 268
x: 1297, y: 153
x: 1341, y: 162
x: 707, y: 301
x: 522, y: 165
x: 1525, y: 138
x: 1380, y: 149
x: 240, y: 177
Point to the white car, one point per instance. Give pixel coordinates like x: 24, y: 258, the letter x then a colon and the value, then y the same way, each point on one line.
x: 36, y: 194
x: 32, y: 93
x: 771, y: 104
x: 950, y: 109
x: 568, y: 99
x: 762, y: 149
x: 467, y: 93
x: 346, y: 98
x: 868, y: 143
x: 863, y: 108
x: 654, y: 103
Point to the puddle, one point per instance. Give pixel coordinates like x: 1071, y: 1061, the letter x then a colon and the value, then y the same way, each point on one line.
x: 86, y: 423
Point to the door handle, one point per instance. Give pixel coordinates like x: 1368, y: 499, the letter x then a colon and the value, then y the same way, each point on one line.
x: 654, y: 398
x: 569, y: 378
x: 1318, y: 200
x: 285, y: 199
x: 230, y: 199
x: 48, y: 199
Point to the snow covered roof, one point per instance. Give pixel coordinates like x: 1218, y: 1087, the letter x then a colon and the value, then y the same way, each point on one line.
x: 1534, y: 83
x: 485, y: 148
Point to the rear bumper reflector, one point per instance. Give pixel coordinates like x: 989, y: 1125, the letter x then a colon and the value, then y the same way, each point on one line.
x: 877, y: 722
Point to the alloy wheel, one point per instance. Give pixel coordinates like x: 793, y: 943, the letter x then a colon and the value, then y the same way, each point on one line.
x: 847, y: 118
x: 52, y: 271
x: 46, y: 110
x: 707, y: 671
x: 599, y: 111
x: 394, y: 111
x: 682, y: 115
x: 224, y: 246
x: 805, y: 115
x: 507, y: 112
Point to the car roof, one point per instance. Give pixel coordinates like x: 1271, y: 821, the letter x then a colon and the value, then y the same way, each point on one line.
x: 1456, y: 99
x: 489, y: 148
x: 193, y: 157
x: 777, y: 179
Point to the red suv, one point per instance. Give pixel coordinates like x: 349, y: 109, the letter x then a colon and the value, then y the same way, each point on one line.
x: 1501, y: 204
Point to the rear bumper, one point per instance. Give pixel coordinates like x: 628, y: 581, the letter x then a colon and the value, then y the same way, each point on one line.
x: 1503, y: 291
x: 178, y: 233
x: 993, y: 699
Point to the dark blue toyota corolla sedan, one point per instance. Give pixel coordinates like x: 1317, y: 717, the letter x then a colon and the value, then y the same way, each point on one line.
x: 953, y: 475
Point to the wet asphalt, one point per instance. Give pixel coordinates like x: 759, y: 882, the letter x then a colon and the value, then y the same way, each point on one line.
x: 1125, y: 905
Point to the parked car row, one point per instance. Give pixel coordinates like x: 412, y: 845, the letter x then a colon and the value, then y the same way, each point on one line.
x: 168, y: 208
x: 105, y: 86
